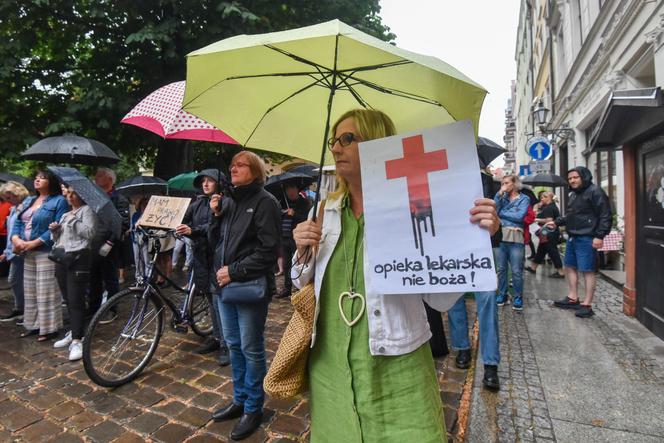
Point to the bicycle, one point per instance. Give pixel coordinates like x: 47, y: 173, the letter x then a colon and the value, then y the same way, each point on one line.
x: 116, y: 353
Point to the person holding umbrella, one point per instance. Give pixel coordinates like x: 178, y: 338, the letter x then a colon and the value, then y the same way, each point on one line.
x: 195, y: 225
x: 74, y: 233
x: 374, y: 380
x: 31, y: 237
x: 294, y: 213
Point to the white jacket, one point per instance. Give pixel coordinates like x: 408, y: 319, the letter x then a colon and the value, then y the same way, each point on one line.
x: 397, y: 323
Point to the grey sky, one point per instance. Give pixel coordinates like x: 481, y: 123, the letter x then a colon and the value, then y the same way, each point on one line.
x: 475, y: 36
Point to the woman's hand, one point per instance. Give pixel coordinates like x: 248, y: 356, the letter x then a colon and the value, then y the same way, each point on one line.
x: 183, y: 230
x: 54, y: 226
x: 223, y: 278
x: 19, y: 244
x: 32, y: 244
x: 484, y: 213
x: 306, y: 234
x: 215, y: 200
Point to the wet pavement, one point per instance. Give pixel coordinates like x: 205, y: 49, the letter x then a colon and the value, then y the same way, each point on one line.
x: 567, y: 379
x: 44, y: 397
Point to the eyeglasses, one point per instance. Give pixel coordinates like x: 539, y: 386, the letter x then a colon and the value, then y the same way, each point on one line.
x: 344, y: 140
x: 41, y: 177
x: 239, y: 165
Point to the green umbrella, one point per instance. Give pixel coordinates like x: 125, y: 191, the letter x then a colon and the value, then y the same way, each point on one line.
x: 183, y: 182
x: 279, y: 91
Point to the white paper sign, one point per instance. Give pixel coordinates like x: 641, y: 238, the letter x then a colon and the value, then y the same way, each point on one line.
x: 418, y: 189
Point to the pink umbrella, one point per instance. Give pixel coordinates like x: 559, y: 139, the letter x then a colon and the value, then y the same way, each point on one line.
x: 161, y: 112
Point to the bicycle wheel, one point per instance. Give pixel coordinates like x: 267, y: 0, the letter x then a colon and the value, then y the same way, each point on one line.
x: 200, y: 313
x: 115, y: 352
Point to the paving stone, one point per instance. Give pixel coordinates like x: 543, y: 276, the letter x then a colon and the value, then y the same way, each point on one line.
x: 104, y: 432
x: 129, y: 437
x: 65, y: 410
x: 210, y: 400
x: 172, y: 433
x: 156, y: 381
x: 57, y: 382
x: 282, y: 404
x: 182, y: 391
x: 170, y: 408
x: 302, y: 409
x: 76, y: 390
x: 84, y: 420
x: 211, y: 381
x: 287, y: 424
x: 67, y: 437
x: 19, y: 418
x: 46, y: 399
x: 146, y: 396
x: 147, y: 423
x: 195, y: 417
x: 126, y: 413
x: 108, y: 404
x: 206, y: 438
x: 40, y: 431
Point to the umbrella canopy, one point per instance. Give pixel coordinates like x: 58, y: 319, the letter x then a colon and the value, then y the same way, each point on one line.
x: 488, y: 150
x: 161, y: 112
x: 280, y: 91
x: 183, y: 182
x: 550, y: 180
x: 92, y: 195
x: 11, y: 177
x: 277, y: 183
x: 142, y: 184
x: 72, y: 149
x: 310, y: 170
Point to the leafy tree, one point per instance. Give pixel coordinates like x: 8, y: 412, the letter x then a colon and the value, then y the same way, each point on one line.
x: 80, y: 65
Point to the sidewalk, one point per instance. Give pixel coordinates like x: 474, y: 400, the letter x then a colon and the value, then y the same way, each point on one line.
x: 566, y: 379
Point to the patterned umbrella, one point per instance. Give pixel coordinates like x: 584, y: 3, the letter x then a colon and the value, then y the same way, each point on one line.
x: 161, y: 112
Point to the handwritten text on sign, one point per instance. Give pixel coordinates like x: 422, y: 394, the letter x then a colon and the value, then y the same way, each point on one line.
x: 424, y: 183
x: 164, y: 212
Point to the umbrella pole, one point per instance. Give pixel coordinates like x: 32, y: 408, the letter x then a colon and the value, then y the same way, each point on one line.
x: 333, y: 88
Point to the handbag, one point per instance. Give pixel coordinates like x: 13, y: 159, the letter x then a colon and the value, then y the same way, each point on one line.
x: 512, y: 234
x: 245, y: 292
x: 58, y: 255
x: 287, y: 375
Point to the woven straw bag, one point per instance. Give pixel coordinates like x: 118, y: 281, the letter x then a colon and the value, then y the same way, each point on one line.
x: 287, y: 376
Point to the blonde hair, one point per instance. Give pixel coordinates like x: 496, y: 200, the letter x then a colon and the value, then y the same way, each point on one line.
x: 256, y: 165
x: 371, y: 124
x: 16, y: 189
x: 514, y: 179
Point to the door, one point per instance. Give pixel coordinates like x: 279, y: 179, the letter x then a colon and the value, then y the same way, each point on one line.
x: 650, y: 236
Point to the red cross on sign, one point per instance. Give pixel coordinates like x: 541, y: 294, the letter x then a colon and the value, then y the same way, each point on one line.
x: 415, y: 165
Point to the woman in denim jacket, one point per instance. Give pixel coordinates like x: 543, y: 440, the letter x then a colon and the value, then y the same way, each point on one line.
x: 31, y: 238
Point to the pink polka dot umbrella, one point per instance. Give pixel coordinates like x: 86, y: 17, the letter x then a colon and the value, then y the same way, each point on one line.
x: 161, y: 112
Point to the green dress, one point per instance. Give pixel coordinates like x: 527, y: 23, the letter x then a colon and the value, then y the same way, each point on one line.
x: 357, y: 397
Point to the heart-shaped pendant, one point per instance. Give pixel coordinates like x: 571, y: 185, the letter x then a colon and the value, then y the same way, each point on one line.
x: 351, y: 295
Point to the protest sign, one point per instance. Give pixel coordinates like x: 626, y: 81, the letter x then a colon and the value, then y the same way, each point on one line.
x: 164, y: 212
x: 418, y: 189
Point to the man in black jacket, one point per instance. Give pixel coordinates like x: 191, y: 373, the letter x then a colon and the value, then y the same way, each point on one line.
x: 195, y: 224
x: 588, y: 221
x: 106, y: 248
x: 295, y: 212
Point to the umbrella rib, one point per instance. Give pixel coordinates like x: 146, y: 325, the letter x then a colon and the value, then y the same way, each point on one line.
x: 374, y: 67
x: 298, y: 58
x: 355, y: 94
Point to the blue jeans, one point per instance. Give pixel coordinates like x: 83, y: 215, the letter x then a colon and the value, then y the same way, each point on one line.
x: 213, y: 300
x: 580, y: 254
x: 487, y: 314
x: 15, y: 280
x: 243, y: 326
x: 512, y: 254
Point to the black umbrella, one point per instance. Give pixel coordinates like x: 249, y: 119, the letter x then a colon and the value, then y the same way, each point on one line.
x: 72, y: 149
x: 310, y: 170
x: 10, y: 177
x: 550, y: 180
x: 142, y: 184
x: 92, y: 195
x: 276, y: 184
x: 488, y: 150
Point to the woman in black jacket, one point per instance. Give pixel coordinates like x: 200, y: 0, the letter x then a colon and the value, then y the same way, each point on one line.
x: 246, y: 229
x: 548, y: 238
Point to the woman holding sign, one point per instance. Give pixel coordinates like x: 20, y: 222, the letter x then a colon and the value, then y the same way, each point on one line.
x: 371, y: 373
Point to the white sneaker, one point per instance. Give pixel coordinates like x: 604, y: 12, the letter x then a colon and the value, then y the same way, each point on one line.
x: 76, y: 350
x: 64, y: 342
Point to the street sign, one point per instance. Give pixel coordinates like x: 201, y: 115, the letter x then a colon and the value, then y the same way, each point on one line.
x: 524, y: 170
x: 539, y: 167
x: 539, y: 148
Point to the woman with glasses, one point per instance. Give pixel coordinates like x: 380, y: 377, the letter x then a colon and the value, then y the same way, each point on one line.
x: 246, y: 232
x: 372, y: 378
x: 31, y: 238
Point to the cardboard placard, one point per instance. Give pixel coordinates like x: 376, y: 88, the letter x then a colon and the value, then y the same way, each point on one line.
x: 164, y: 212
x: 418, y: 190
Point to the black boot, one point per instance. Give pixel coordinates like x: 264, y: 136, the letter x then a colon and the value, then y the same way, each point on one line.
x: 210, y: 344
x: 228, y: 412
x: 246, y: 426
x: 463, y: 359
x: 491, y: 379
x: 224, y: 357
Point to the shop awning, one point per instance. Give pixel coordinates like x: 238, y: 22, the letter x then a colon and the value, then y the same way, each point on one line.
x: 630, y: 115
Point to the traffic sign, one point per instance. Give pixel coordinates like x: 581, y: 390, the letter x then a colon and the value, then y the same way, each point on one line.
x: 539, y: 148
x: 524, y: 170
x: 543, y: 166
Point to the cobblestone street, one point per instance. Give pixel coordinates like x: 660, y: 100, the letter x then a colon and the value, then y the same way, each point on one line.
x: 44, y: 397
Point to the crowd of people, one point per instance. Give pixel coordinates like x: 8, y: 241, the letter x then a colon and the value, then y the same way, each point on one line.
x: 234, y: 232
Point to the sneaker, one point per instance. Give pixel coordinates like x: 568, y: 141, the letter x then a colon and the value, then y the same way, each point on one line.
x: 567, y: 303
x: 109, y: 316
x: 76, y: 350
x: 490, y: 379
x: 517, y: 304
x: 462, y: 360
x: 501, y: 300
x: 15, y: 314
x: 531, y: 270
x: 584, y: 311
x: 556, y: 275
x: 63, y: 342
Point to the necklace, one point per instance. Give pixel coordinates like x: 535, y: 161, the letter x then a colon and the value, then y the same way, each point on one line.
x: 351, y: 294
